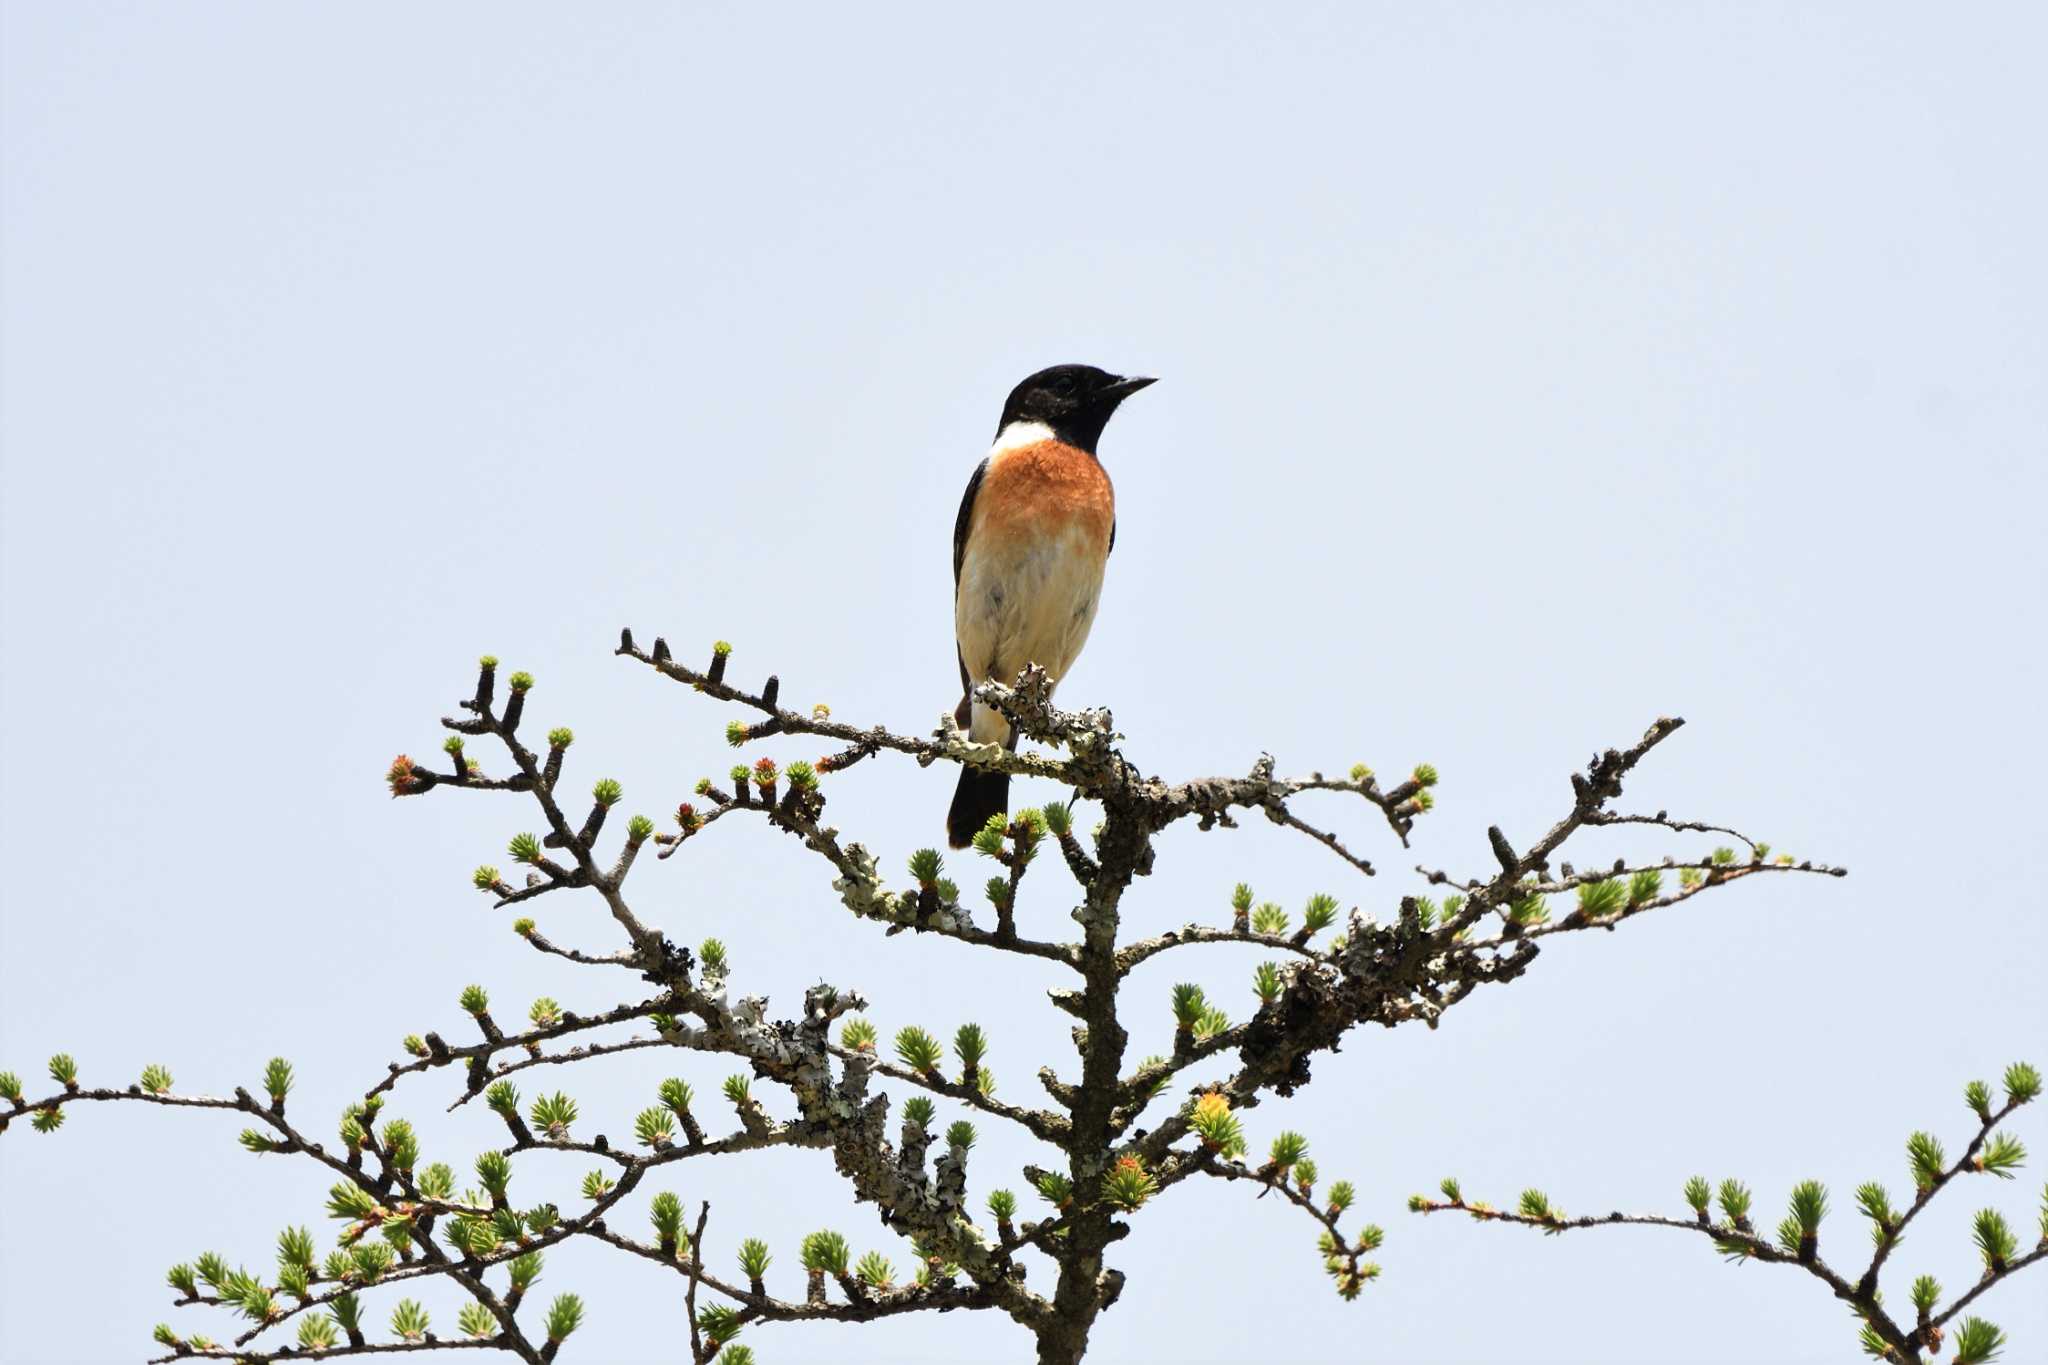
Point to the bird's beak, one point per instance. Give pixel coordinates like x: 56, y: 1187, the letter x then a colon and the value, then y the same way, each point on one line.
x: 1124, y: 388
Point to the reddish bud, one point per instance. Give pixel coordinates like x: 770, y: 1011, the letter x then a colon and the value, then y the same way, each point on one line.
x: 400, y: 777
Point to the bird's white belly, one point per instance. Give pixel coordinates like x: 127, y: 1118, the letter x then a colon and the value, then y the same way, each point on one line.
x: 1030, y: 601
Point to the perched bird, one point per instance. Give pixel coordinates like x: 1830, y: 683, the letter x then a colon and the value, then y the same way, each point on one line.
x: 1034, y: 532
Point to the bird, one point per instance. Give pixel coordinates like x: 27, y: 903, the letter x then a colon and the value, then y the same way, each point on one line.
x: 1032, y: 538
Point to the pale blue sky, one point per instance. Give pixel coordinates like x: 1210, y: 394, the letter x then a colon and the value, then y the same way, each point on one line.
x: 1527, y: 373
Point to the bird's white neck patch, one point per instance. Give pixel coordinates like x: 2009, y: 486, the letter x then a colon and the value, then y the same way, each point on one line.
x: 1017, y: 434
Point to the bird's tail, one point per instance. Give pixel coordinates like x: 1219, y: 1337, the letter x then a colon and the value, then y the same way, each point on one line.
x: 980, y: 794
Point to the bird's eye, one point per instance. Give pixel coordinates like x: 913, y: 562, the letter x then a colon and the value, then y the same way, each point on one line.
x: 1064, y: 384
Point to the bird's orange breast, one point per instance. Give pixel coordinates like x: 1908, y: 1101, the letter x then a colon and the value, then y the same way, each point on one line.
x: 1045, y: 488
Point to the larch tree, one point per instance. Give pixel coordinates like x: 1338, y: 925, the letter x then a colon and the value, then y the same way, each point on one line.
x: 1117, y: 1132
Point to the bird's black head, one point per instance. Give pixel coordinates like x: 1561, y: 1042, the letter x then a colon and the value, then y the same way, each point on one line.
x: 1074, y: 400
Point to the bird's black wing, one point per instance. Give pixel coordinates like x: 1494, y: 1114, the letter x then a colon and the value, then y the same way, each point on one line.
x: 960, y: 524
x: 960, y: 521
